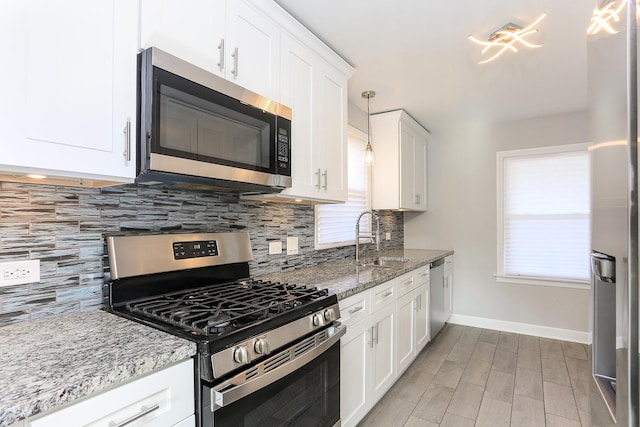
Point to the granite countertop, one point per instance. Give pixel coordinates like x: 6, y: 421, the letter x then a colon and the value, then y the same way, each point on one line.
x: 48, y: 362
x: 345, y: 278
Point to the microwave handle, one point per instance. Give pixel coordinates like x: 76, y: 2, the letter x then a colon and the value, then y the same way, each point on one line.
x: 236, y: 387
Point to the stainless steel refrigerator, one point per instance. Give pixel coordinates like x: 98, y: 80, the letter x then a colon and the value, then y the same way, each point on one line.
x: 613, y: 120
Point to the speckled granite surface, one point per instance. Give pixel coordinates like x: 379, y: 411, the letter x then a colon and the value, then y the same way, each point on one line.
x: 345, y: 279
x: 46, y: 363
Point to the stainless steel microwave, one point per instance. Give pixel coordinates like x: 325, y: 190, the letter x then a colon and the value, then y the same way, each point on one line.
x: 195, y: 128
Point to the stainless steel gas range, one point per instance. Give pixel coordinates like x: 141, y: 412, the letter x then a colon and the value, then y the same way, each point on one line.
x: 268, y: 352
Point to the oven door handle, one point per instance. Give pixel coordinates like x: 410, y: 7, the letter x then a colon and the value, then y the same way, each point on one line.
x: 263, y: 374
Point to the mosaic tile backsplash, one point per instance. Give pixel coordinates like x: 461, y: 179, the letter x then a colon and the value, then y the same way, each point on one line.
x: 64, y: 228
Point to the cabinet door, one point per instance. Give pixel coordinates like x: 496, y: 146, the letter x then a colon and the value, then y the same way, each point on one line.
x: 355, y: 353
x: 448, y: 291
x: 407, y: 164
x: 405, y: 331
x: 193, y: 30
x: 70, y: 87
x: 384, y: 364
x: 252, y: 48
x: 299, y: 92
x: 331, y: 143
x: 420, y: 173
x: 421, y: 301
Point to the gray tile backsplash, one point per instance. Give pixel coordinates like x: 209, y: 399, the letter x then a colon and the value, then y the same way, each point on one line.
x: 64, y: 228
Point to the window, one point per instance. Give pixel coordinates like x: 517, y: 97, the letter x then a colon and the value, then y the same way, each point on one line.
x: 336, y: 224
x: 544, y: 215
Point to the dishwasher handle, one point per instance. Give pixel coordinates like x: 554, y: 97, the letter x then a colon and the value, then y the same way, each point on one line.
x: 603, y: 266
x: 436, y: 263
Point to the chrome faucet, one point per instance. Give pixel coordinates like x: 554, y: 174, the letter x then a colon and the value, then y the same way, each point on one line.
x: 371, y: 237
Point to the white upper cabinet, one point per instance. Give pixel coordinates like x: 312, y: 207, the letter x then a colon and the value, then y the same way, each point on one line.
x: 229, y: 38
x: 193, y: 30
x: 313, y: 83
x: 252, y: 50
x: 399, y: 174
x: 317, y: 96
x: 70, y: 92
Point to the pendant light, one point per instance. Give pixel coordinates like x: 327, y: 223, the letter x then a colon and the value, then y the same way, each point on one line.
x: 369, y: 155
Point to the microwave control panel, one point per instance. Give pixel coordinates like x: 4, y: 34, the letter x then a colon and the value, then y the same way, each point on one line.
x: 283, y: 148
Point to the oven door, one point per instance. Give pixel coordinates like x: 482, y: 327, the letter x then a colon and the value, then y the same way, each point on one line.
x: 297, y: 386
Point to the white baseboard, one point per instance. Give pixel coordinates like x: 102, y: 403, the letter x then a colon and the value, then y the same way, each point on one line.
x: 522, y: 328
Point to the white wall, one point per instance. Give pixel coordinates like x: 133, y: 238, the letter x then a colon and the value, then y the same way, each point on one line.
x: 462, y: 217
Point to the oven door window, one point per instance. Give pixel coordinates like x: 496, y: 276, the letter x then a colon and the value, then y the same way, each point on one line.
x: 197, y: 123
x: 309, y: 396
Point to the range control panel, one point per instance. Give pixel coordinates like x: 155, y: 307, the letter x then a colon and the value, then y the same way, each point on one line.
x: 195, y: 249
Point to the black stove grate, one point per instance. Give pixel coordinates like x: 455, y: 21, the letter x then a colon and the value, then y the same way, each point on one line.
x: 224, y: 307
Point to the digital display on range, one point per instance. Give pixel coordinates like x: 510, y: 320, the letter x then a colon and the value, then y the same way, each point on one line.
x: 197, y: 249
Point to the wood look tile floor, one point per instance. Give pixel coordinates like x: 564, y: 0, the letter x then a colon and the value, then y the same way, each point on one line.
x: 477, y: 377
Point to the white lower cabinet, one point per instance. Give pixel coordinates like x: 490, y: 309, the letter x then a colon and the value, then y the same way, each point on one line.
x: 163, y: 398
x: 406, y: 349
x: 384, y: 355
x: 386, y: 328
x: 367, y: 357
x: 448, y: 287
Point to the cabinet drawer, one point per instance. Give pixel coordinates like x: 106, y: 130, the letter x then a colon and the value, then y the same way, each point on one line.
x: 166, y: 396
x: 406, y: 283
x: 355, y: 308
x: 422, y: 275
x: 382, y: 295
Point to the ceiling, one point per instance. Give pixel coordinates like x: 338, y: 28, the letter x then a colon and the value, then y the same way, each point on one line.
x: 416, y: 56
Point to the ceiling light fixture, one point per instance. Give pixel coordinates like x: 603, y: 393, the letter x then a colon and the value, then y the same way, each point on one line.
x: 369, y: 155
x: 505, y: 38
x: 605, y: 15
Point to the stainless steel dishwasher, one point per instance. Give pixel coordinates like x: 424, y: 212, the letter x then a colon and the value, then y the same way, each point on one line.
x: 437, y: 314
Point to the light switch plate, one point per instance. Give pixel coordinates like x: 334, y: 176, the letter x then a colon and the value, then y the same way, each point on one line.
x: 292, y: 245
x: 387, y: 236
x: 19, y: 272
x: 275, y: 247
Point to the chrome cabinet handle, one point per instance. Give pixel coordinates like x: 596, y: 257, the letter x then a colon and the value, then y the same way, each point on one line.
x: 221, y: 58
x: 318, y: 173
x: 418, y: 302
x: 371, y: 337
x: 376, y: 326
x: 127, y: 141
x: 143, y: 411
x: 324, y: 174
x: 386, y: 294
x: 235, y: 63
x: 355, y: 310
x: 417, y: 199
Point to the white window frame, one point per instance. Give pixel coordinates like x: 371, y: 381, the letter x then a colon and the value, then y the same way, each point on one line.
x: 501, y: 276
x: 352, y: 133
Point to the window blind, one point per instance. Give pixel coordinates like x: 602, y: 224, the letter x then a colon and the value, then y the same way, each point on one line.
x: 336, y: 224
x: 546, y: 215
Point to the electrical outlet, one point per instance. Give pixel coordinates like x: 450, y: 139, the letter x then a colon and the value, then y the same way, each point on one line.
x: 275, y: 247
x: 387, y: 236
x: 19, y: 272
x: 292, y: 245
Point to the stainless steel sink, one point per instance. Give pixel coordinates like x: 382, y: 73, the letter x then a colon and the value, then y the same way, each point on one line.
x: 388, y: 262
